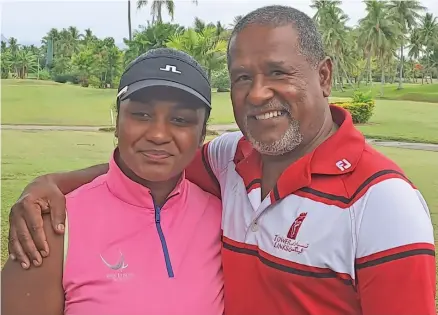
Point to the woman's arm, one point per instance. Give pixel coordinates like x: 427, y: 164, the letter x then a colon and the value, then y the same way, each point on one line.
x: 37, y: 291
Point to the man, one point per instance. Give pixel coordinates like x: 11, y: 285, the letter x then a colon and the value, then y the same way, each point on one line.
x: 314, y: 220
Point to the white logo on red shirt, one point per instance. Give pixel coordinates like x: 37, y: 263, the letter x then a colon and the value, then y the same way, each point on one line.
x: 343, y: 165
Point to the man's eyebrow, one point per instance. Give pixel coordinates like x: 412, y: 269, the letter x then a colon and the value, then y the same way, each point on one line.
x: 237, y: 70
x: 280, y: 64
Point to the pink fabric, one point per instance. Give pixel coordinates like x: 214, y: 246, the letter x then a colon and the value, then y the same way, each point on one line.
x: 112, y: 220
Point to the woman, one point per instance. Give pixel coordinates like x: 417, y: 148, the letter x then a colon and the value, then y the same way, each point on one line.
x: 153, y: 246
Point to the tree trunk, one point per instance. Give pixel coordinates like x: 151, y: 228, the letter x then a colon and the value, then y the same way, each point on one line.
x: 382, y: 79
x: 359, y: 79
x: 370, y: 74
x: 347, y: 77
x: 129, y: 20
x: 400, y: 80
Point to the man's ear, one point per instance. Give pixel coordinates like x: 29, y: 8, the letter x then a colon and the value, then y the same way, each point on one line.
x: 325, y: 69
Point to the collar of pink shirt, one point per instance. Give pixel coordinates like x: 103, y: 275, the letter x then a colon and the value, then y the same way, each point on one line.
x: 138, y: 195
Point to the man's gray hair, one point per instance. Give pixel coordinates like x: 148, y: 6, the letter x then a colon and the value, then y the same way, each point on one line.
x: 309, y: 39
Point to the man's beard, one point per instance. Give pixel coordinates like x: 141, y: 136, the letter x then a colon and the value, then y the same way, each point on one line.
x: 291, y: 139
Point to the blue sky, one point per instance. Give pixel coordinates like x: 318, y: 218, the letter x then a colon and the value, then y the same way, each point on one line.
x: 28, y: 21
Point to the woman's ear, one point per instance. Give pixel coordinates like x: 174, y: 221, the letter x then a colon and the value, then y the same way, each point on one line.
x: 202, y: 140
x: 116, y: 131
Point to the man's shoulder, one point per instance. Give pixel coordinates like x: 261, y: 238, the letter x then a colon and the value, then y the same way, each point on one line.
x: 222, y: 150
x: 226, y: 139
x: 372, y: 169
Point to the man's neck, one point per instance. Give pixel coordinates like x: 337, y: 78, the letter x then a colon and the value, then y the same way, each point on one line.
x: 274, y: 166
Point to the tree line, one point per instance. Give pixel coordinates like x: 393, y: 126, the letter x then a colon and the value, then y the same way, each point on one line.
x: 395, y: 41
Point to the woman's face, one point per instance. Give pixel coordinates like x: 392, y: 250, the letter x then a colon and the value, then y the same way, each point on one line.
x: 158, y: 136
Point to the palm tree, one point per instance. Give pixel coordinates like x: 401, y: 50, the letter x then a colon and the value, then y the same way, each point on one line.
x: 321, y: 7
x: 378, y: 35
x: 157, y: 7
x: 429, y: 37
x: 415, y: 49
x: 236, y: 20
x: 204, y: 46
x: 406, y: 13
x: 129, y: 20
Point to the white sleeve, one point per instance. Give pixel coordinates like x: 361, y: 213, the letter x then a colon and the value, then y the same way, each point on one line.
x: 221, y: 151
x: 390, y: 215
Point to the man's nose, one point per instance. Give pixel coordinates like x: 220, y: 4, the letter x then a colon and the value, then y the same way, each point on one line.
x: 260, y: 92
x: 159, y: 131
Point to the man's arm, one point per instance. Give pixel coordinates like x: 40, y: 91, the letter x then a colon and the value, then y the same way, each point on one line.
x: 69, y: 181
x: 395, y: 263
x: 43, y: 195
x: 210, y: 162
x: 38, y: 291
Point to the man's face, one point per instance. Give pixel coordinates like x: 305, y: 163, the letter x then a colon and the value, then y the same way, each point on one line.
x: 278, y: 95
x: 158, y: 137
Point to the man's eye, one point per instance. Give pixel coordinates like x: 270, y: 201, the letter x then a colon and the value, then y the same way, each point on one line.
x: 277, y: 73
x: 242, y: 78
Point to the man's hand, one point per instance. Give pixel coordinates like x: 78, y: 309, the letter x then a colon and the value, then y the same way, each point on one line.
x: 27, y: 240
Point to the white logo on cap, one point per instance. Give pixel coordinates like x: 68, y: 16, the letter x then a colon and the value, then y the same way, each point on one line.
x: 171, y: 69
x: 122, y: 91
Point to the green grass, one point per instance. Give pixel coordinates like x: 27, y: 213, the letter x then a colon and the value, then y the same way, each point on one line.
x: 410, y: 92
x: 50, y: 103
x: 403, y: 121
x: 32, y: 102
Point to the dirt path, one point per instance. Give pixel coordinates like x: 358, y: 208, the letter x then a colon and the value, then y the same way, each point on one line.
x: 221, y: 129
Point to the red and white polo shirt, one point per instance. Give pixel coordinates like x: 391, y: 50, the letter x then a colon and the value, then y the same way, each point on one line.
x: 343, y: 231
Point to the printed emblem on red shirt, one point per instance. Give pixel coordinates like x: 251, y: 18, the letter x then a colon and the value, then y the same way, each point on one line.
x: 289, y: 243
x: 295, y: 228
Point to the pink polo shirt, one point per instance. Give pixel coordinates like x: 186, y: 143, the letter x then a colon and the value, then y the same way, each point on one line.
x: 127, y: 256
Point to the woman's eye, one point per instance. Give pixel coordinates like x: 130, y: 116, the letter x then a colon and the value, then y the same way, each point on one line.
x: 179, y: 120
x: 141, y: 114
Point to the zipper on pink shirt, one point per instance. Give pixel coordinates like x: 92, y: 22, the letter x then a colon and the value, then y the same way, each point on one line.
x: 162, y: 238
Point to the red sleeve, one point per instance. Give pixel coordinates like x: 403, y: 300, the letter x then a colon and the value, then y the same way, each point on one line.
x: 400, y: 281
x: 200, y: 172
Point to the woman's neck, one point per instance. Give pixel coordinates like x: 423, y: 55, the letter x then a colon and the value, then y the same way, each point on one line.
x: 160, y: 191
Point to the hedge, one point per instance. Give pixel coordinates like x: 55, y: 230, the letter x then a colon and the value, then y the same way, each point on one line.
x: 361, y: 107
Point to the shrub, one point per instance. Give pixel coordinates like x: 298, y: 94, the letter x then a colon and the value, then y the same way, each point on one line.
x: 67, y: 77
x: 221, y: 80
x: 361, y: 107
x: 60, y: 78
x: 44, y: 75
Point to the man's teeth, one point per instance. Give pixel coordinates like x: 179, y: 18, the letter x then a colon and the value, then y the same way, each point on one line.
x: 268, y: 115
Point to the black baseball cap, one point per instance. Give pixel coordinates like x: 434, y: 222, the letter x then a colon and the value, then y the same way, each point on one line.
x: 169, y: 68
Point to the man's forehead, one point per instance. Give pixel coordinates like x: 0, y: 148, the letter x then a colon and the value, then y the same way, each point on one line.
x: 277, y: 45
x: 265, y: 33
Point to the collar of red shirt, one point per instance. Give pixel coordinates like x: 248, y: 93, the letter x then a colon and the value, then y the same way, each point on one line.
x: 337, y: 155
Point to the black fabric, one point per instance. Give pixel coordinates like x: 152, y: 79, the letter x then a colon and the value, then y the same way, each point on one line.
x: 165, y: 71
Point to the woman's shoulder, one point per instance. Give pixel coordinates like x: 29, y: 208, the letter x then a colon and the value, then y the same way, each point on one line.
x: 91, y: 189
